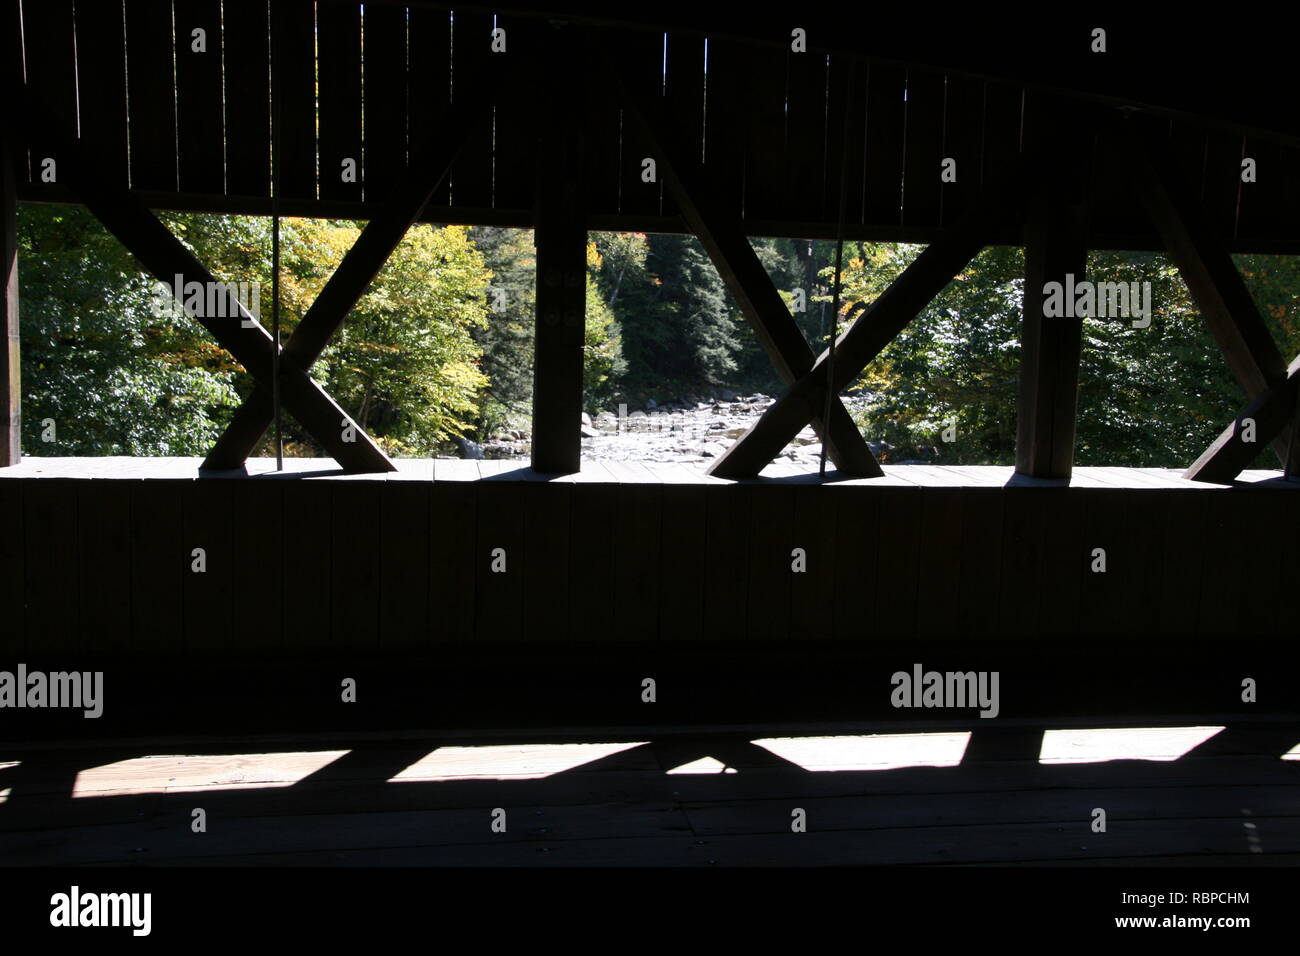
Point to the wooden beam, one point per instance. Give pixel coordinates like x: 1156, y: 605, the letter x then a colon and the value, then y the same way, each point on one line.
x: 738, y: 265
x: 876, y: 327
x: 1055, y: 247
x: 430, y: 166
x: 1292, y: 467
x: 561, y: 241
x: 1208, y: 269
x: 166, y: 258
x: 11, y: 392
x: 1273, y: 411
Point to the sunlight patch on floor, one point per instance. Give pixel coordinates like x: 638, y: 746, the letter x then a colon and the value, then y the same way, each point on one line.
x: 872, y: 752
x: 178, y: 773
x: 507, y: 762
x: 1121, y: 743
x: 703, y: 765
x: 1292, y: 754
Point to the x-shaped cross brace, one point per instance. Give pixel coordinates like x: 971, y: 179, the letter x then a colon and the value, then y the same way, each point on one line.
x: 877, y: 326
x: 430, y: 165
x: 759, y: 300
x: 1227, y: 306
x: 166, y: 257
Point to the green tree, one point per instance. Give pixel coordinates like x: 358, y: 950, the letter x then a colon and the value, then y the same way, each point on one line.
x: 114, y: 377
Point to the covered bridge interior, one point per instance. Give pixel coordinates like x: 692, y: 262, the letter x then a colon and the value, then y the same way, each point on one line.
x: 564, y: 636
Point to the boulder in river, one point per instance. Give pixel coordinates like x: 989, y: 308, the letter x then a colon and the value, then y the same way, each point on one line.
x: 467, y: 448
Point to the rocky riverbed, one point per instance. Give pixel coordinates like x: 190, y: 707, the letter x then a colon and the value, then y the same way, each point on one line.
x: 677, y: 431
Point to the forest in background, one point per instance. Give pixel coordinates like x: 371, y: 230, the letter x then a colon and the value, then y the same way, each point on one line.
x: 441, y: 345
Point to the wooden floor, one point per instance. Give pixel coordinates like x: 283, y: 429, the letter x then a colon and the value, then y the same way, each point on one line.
x: 663, y: 798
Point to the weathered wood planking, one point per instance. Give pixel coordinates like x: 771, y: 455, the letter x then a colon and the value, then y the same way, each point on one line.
x: 684, y: 93
x: 404, y: 565
x: 472, y: 60
x: 981, y: 564
x: 515, y: 117
x: 639, y: 59
x: 104, y: 569
x: 151, y: 78
x: 429, y: 83
x: 453, y: 557
x: 763, y: 122
x: 101, y: 59
x: 257, y: 582
x: 307, y: 565
x: 602, y: 179
x: 12, y: 578
x: 637, y: 562
x: 158, y: 563
x: 247, y: 75
x: 200, y: 119
x: 726, y: 154
x: 338, y: 72
x: 805, y: 141
x: 498, y: 594
x: 883, y: 192
x: 384, y: 106
x: 857, y: 542
x: 49, y: 41
x: 898, y: 530
x: 963, y: 142
x: 356, y: 523
x: 1261, y: 199
x: 1222, y: 186
x: 727, y: 549
x: 1105, y: 597
x: 939, y: 564
x: 293, y: 66
x: 923, y: 148
x: 634, y: 552
x: 52, y: 624
x: 1003, y: 110
x: 812, y: 595
x: 682, y: 535
x: 772, y: 534
x: 546, y: 569
x: 207, y: 596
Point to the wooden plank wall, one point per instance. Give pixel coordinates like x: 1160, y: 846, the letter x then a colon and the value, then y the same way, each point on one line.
x: 613, y: 554
x: 361, y: 83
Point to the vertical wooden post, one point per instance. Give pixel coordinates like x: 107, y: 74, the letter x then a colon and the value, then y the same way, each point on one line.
x: 10, y: 361
x: 561, y: 241
x: 1055, y: 248
x: 1291, y: 467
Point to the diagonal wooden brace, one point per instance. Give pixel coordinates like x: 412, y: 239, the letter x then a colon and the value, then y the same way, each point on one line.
x: 1210, y: 274
x: 877, y: 327
x: 167, y: 258
x: 760, y: 302
x: 1270, y: 413
x: 430, y: 164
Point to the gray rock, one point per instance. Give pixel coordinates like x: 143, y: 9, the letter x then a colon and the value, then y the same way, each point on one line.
x: 589, y: 432
x: 712, y: 449
x: 467, y: 448
x: 586, y: 419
